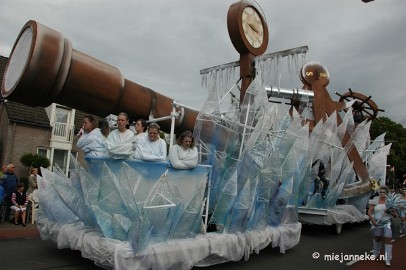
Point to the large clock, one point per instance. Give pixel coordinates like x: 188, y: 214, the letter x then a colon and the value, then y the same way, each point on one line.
x: 247, y: 27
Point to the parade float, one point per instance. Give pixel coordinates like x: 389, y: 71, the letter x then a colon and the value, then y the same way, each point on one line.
x: 261, y: 149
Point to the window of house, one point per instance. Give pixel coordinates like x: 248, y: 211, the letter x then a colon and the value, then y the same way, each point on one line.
x: 62, y: 115
x: 62, y: 120
x: 43, y: 152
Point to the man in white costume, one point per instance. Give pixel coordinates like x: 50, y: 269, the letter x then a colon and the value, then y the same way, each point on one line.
x: 91, y: 140
x: 120, y: 142
x: 151, y: 147
x: 184, y: 154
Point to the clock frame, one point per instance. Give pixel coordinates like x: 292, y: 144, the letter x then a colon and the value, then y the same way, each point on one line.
x: 247, y: 28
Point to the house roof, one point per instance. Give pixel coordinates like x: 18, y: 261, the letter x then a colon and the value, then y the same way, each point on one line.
x: 3, y: 63
x: 24, y: 114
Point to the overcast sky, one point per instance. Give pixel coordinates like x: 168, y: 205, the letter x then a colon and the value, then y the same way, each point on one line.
x: 163, y: 44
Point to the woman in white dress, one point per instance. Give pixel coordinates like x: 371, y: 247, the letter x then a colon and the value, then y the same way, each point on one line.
x: 120, y: 142
x: 92, y: 141
x: 184, y: 154
x: 381, y: 218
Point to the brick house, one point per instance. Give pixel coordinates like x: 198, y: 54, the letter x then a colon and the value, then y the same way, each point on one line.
x: 46, y: 131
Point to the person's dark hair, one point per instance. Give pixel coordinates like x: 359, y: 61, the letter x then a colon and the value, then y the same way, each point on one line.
x: 104, y: 127
x: 143, y: 123
x: 19, y: 185
x: 384, y: 188
x: 185, y: 134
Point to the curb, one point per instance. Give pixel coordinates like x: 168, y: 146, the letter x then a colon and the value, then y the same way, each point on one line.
x: 19, y: 233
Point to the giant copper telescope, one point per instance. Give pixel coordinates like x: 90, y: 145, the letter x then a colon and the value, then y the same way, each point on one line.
x: 44, y: 68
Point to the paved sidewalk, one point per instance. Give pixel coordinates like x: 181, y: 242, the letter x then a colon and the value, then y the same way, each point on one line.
x: 10, y: 231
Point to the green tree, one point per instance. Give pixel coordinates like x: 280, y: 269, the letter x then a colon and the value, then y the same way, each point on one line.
x: 395, y: 134
x: 34, y: 160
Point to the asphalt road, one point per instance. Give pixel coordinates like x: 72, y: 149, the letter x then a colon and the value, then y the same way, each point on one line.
x: 34, y: 253
x: 354, y: 239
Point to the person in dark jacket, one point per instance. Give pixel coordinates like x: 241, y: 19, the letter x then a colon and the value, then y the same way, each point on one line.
x: 19, y: 201
x: 9, y: 183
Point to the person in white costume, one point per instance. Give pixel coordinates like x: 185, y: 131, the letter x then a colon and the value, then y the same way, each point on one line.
x: 380, y: 218
x: 184, y: 154
x: 140, y: 126
x: 92, y: 141
x: 151, y: 147
x: 120, y: 142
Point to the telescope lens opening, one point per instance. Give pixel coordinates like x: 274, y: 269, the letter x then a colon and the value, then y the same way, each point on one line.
x: 18, y: 61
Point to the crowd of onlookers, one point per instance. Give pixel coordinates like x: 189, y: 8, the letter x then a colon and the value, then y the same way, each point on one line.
x: 14, y: 196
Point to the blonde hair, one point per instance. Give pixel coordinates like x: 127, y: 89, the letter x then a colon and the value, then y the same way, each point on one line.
x: 154, y: 125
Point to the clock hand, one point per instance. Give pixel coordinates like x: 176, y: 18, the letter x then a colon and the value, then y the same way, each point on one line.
x: 253, y: 27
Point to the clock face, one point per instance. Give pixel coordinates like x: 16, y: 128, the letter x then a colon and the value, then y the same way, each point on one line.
x: 252, y: 26
x: 247, y: 27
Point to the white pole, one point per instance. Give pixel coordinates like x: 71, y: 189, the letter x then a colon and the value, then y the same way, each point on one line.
x: 245, y: 128
x: 173, y: 117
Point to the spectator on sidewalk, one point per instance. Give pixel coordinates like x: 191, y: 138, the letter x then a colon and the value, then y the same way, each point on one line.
x: 32, y: 180
x: 2, y: 195
x: 9, y: 183
x: 19, y: 201
x: 3, y: 170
